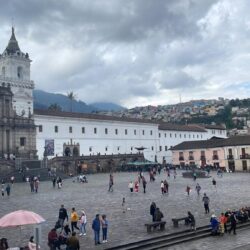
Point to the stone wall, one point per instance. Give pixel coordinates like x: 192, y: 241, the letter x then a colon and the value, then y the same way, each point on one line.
x: 93, y: 164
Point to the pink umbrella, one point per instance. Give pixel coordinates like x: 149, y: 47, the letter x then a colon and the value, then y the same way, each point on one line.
x: 20, y: 218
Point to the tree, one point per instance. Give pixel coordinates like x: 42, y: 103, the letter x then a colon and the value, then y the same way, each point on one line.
x: 72, y: 96
x: 55, y: 107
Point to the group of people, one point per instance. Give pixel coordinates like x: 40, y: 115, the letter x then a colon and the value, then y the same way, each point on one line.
x: 155, y: 212
x: 34, y: 184
x: 58, y: 181
x: 219, y: 225
x: 134, y: 187
x: 67, y: 234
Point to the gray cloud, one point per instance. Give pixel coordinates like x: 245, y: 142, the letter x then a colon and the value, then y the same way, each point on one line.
x: 124, y: 51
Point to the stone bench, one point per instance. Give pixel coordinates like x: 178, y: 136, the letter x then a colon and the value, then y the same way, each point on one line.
x: 154, y: 225
x: 176, y: 221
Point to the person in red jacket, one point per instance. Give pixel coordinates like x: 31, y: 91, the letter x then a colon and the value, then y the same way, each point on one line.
x: 53, y: 240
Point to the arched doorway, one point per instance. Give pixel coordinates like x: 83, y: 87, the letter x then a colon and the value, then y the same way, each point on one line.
x: 67, y: 151
x: 75, y: 151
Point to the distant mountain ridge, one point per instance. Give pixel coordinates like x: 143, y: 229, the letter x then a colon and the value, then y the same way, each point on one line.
x: 43, y: 99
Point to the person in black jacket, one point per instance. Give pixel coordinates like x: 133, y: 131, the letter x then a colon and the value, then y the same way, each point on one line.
x: 191, y: 220
x: 233, y: 222
x: 62, y: 216
x: 152, y: 210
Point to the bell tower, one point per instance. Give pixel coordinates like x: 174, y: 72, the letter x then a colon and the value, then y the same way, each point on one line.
x: 15, y: 72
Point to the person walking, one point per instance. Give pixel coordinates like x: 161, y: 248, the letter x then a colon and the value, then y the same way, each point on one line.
x: 74, y: 219
x: 152, y: 210
x: 111, y: 183
x: 165, y: 186
x: 144, y: 184
x: 8, y: 189
x: 188, y: 189
x: 104, y: 224
x: 73, y: 242
x: 31, y: 185
x: 2, y: 189
x: 194, y: 176
x: 36, y: 184
x: 136, y: 186
x: 191, y: 220
x: 83, y: 223
x: 214, y: 183
x: 54, y: 182
x: 123, y: 205
x: 198, y: 188
x: 206, y: 201
x: 63, y: 214
x: 162, y: 187
x: 131, y: 186
x: 96, y: 226
x: 233, y: 222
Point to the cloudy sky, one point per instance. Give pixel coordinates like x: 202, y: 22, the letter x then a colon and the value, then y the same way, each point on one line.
x: 134, y: 52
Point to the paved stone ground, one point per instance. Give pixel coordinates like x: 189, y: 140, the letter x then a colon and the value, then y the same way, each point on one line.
x: 232, y: 192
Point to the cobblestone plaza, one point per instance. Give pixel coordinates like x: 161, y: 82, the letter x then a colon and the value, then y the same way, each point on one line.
x: 232, y: 192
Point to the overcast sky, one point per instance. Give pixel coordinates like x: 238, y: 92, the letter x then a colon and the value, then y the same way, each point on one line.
x: 134, y: 52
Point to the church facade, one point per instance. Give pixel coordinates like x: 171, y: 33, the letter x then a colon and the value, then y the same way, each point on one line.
x: 24, y: 130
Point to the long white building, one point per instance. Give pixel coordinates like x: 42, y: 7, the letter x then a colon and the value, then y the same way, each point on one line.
x: 92, y: 134
x: 99, y: 134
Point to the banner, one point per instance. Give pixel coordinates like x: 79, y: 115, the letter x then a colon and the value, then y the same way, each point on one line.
x: 49, y: 147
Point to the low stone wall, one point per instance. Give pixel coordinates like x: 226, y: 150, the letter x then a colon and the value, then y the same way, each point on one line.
x: 93, y: 164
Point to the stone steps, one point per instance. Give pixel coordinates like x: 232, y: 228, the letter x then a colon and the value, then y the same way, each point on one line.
x: 168, y: 240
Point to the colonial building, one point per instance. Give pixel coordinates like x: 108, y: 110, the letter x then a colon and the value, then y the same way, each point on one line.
x: 99, y: 134
x: 65, y: 133
x: 17, y: 133
x: 230, y: 153
x: 15, y: 72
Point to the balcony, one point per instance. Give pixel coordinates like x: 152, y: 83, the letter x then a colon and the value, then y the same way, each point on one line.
x: 230, y: 157
x: 203, y: 158
x: 215, y: 157
x: 245, y: 156
x: 191, y: 158
x: 181, y: 158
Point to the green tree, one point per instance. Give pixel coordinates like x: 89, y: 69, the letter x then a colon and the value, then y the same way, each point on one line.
x: 72, y: 96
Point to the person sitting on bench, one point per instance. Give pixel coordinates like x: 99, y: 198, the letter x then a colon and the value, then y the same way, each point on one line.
x: 158, y: 215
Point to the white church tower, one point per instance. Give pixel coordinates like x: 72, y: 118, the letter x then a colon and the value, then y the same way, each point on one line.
x: 15, y: 72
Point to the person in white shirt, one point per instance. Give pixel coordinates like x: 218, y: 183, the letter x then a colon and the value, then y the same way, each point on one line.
x: 83, y: 222
x: 32, y: 244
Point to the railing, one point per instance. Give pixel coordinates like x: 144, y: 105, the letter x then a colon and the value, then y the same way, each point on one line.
x: 181, y: 158
x: 230, y: 157
x: 191, y: 158
x: 245, y: 156
x: 215, y: 157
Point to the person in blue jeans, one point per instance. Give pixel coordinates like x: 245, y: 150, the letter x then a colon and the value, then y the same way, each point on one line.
x: 104, y: 223
x: 96, y: 226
